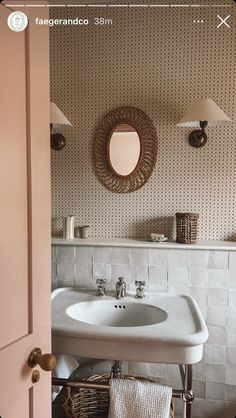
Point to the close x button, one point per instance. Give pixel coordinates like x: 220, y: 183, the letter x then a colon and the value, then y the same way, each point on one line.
x: 223, y: 21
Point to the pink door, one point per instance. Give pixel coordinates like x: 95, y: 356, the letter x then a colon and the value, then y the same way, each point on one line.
x: 24, y: 216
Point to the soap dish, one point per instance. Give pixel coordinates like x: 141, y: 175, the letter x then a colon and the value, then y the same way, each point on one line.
x: 154, y: 239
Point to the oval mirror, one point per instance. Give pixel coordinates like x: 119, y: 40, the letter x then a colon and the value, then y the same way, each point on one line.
x: 124, y: 149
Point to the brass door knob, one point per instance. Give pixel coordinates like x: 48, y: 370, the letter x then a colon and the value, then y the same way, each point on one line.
x: 45, y: 361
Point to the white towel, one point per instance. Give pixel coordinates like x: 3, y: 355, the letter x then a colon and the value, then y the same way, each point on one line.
x: 135, y: 399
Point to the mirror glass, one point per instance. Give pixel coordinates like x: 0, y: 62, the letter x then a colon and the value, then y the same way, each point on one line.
x: 124, y: 149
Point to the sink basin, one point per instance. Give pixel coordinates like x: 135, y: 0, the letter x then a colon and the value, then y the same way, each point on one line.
x: 116, y: 314
x: 161, y: 328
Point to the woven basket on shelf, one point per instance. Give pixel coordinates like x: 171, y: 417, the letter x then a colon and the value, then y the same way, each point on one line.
x: 186, y: 227
x: 86, y: 403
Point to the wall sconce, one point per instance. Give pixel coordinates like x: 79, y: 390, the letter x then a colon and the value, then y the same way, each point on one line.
x: 203, y: 113
x: 57, y: 117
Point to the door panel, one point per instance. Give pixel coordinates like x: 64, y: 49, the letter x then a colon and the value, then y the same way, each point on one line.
x: 24, y: 215
x: 23, y: 406
x: 13, y: 172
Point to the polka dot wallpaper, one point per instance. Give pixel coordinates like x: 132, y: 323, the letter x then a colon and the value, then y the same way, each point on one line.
x: 160, y: 61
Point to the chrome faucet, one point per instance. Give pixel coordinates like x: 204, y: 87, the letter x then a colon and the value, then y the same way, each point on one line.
x: 101, y: 287
x: 120, y: 288
x: 140, y: 288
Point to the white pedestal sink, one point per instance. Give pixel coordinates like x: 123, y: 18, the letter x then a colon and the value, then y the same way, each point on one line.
x: 161, y: 328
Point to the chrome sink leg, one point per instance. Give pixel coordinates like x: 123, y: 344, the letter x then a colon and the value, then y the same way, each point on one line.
x: 116, y: 370
x: 188, y: 395
x: 182, y: 374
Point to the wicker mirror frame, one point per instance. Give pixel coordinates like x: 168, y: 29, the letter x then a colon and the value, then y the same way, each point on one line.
x: 148, y: 149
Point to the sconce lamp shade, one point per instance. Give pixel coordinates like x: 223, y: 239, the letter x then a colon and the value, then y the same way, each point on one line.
x: 202, y: 114
x: 57, y: 117
x: 204, y: 110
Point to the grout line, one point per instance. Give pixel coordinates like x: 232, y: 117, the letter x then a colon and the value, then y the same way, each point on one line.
x: 76, y: 5
x: 35, y: 5
x: 97, y: 5
x: 118, y: 5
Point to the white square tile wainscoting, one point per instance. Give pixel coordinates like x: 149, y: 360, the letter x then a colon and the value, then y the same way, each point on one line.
x: 206, y: 271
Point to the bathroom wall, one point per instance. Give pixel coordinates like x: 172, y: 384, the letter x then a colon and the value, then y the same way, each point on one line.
x: 208, y: 276
x: 161, y: 62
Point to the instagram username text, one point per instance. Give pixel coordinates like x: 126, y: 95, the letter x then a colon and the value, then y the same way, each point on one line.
x: 64, y: 22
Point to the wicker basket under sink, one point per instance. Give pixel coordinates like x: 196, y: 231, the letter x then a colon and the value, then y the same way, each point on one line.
x: 86, y: 403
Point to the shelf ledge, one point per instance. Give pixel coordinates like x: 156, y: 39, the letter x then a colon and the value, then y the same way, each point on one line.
x: 143, y: 243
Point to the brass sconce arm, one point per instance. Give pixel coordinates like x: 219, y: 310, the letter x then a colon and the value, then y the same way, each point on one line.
x: 198, y: 137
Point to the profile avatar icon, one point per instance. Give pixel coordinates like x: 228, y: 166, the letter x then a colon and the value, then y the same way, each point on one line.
x: 17, y: 21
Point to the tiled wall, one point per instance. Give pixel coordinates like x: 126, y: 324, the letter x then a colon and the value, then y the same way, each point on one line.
x: 208, y: 276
